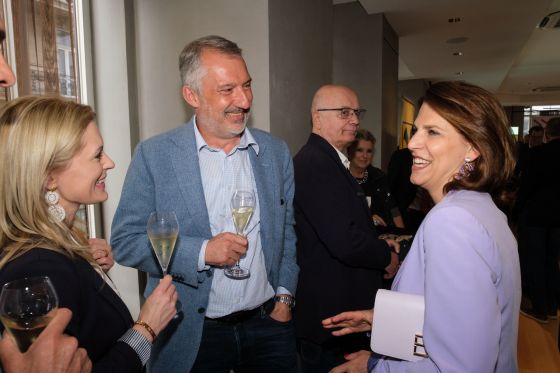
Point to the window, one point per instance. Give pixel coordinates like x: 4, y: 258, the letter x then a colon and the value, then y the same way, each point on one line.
x: 41, y: 39
x: 539, y: 116
x: 45, y: 52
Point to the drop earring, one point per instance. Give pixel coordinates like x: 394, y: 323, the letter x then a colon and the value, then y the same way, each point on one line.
x: 466, y: 169
x: 56, y: 212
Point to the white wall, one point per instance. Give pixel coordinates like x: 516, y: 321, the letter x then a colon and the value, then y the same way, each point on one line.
x: 112, y: 107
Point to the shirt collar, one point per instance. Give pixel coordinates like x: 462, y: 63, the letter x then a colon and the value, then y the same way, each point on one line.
x: 247, y: 140
x: 342, y: 157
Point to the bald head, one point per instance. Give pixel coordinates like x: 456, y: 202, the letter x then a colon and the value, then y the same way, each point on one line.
x: 328, y: 122
x: 330, y: 93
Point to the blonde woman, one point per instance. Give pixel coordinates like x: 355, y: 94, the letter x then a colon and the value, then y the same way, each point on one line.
x: 52, y: 161
x: 384, y: 211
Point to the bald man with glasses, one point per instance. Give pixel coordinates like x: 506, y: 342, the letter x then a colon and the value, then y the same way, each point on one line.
x: 342, y: 262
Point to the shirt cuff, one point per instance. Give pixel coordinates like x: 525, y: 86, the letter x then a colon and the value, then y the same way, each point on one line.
x: 282, y: 290
x: 201, y: 255
x: 372, y: 361
x: 138, y: 343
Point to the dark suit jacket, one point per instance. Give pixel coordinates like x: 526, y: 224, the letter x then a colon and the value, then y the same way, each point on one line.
x: 341, y: 260
x: 539, y: 189
x: 99, y: 316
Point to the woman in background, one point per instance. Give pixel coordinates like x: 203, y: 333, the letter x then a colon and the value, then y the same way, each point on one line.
x: 52, y: 161
x: 384, y: 211
x: 464, y: 257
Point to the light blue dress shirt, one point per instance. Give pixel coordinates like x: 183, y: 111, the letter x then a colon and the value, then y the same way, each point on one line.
x: 221, y: 175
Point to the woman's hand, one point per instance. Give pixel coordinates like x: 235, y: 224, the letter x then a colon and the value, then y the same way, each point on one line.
x: 159, y: 308
x: 350, y: 322
x: 102, y: 253
x: 378, y: 220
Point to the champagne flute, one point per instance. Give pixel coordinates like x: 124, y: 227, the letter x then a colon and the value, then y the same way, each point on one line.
x: 163, y: 230
x: 242, y: 206
x: 26, y: 308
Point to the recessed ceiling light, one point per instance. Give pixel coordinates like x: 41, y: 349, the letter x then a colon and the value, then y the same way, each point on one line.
x: 457, y: 53
x: 550, y: 21
x: 546, y: 89
x: 457, y: 40
x: 454, y: 19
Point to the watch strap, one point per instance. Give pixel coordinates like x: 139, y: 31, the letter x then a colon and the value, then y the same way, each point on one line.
x: 286, y: 299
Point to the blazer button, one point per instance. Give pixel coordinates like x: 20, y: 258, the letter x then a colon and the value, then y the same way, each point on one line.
x: 201, y: 310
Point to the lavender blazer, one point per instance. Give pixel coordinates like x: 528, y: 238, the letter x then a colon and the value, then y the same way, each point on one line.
x: 464, y: 262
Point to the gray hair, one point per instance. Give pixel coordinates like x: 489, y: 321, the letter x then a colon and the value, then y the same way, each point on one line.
x: 189, y: 59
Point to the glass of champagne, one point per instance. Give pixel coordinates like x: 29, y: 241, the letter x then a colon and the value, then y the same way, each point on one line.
x: 163, y: 229
x: 26, y: 308
x: 242, y: 206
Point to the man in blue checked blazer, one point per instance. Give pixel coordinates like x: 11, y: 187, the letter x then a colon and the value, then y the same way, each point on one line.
x: 241, y: 324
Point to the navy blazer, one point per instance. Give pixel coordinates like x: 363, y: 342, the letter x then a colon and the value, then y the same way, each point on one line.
x: 165, y: 175
x: 340, y: 257
x: 99, y: 316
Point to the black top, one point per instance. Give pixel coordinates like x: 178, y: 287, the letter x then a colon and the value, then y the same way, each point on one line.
x: 539, y: 187
x: 341, y: 259
x: 99, y: 316
x: 376, y: 186
x: 398, y: 173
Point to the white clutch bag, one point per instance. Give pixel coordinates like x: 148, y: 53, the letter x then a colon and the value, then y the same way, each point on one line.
x: 398, y: 320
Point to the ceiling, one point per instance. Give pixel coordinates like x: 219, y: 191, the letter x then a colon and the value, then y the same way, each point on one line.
x: 504, y: 52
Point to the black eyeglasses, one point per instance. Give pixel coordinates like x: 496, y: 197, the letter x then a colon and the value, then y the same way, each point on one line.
x: 345, y: 113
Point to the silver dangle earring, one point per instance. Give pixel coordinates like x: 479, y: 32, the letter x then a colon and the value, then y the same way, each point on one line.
x: 466, y: 169
x: 56, y: 212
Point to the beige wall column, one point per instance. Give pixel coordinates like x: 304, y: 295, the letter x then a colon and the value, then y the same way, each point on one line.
x: 366, y: 59
x: 301, y: 53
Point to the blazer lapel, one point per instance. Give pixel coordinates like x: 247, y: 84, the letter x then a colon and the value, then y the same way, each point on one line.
x: 184, y: 159
x: 265, y: 178
x: 329, y: 150
x: 107, y: 293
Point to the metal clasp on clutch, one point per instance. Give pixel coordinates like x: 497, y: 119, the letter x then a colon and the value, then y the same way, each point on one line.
x: 419, y: 349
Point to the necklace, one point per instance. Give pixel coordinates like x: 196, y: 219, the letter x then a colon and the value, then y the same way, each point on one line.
x: 363, y: 179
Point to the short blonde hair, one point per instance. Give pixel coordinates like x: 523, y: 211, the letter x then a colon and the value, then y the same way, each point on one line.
x: 37, y: 135
x: 361, y: 134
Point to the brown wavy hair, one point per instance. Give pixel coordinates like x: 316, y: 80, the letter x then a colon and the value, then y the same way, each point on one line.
x: 480, y: 118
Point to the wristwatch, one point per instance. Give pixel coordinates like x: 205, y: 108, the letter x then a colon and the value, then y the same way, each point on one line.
x: 286, y: 299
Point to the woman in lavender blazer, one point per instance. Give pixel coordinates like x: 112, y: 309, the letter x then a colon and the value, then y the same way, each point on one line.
x: 464, y: 257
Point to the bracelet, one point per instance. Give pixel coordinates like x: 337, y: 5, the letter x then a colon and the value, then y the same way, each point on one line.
x: 145, y: 325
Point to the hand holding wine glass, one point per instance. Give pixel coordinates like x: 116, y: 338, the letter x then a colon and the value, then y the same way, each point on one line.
x: 52, y: 352
x: 159, y: 308
x: 26, y: 308
x: 163, y: 229
x: 242, y: 206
